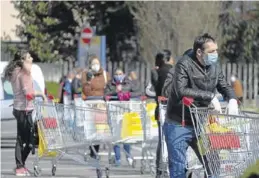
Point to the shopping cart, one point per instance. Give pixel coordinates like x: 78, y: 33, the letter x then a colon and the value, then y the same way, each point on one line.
x: 150, y: 142
x: 96, y: 103
x: 127, y: 122
x: 229, y: 143
x: 61, y: 134
x: 193, y: 166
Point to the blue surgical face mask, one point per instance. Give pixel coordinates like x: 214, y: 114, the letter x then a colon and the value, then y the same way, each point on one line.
x: 210, y: 58
x: 119, y: 78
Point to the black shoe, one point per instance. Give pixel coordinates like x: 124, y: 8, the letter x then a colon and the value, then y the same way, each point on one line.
x: 158, y: 174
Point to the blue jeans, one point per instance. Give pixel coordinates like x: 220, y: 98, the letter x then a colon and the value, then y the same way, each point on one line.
x: 178, y: 139
x: 118, y: 152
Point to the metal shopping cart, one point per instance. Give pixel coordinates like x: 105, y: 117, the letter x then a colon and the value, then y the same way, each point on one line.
x: 96, y: 103
x: 229, y: 143
x: 150, y: 142
x: 193, y: 166
x: 63, y: 135
x: 127, y: 122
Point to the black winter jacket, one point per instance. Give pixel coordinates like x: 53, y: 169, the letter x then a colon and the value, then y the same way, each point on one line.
x: 191, y: 79
x: 127, y: 86
x: 76, y: 86
x: 162, y: 74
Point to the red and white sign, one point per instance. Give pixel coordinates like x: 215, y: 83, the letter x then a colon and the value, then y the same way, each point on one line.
x: 86, y: 35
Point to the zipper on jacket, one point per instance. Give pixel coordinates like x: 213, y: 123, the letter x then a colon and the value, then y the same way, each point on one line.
x: 206, y: 77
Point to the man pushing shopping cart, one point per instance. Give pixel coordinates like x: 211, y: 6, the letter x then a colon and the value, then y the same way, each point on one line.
x: 197, y: 75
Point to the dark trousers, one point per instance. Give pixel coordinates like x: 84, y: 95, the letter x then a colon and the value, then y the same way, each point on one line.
x: 24, y: 136
x: 158, y: 150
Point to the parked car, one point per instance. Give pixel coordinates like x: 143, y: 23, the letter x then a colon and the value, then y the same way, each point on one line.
x: 6, y: 92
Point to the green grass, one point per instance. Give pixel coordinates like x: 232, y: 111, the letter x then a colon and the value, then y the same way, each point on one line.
x: 251, y: 109
x: 52, y: 88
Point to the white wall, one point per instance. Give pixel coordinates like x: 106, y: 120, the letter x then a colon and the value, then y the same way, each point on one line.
x: 8, y: 23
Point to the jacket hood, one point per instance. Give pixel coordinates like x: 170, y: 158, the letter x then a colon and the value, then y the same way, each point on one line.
x: 191, y: 55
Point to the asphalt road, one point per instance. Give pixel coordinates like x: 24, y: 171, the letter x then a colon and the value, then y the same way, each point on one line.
x: 66, y: 167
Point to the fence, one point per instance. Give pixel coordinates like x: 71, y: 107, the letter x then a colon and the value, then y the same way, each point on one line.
x: 249, y: 76
x: 53, y: 71
x: 247, y: 73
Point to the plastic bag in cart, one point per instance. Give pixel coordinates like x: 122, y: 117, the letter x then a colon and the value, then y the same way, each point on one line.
x: 101, y: 123
x: 42, y: 148
x: 131, y: 126
x: 221, y: 137
x: 150, y: 108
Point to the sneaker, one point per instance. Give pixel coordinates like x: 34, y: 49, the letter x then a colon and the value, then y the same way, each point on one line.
x: 117, y: 163
x: 27, y: 172
x: 21, y: 172
x: 130, y: 161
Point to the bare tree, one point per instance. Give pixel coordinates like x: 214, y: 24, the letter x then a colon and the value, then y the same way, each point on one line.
x: 172, y: 25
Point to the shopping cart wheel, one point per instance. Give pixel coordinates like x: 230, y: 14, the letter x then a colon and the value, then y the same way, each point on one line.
x: 37, y: 171
x: 53, y: 171
x: 107, y: 172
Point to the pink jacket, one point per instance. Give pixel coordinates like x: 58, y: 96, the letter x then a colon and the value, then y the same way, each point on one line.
x: 22, y: 84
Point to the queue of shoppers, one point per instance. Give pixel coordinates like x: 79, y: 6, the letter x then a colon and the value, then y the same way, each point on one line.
x: 196, y: 74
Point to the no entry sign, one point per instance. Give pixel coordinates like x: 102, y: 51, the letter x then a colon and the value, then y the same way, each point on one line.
x: 86, y: 35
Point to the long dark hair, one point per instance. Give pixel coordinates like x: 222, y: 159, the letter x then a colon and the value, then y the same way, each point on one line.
x: 17, y: 61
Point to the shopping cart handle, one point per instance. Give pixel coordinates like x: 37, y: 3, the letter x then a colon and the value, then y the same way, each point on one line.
x: 77, y: 96
x: 94, y: 98
x: 50, y: 97
x: 142, y: 98
x: 30, y: 97
x: 162, y: 98
x: 187, y: 101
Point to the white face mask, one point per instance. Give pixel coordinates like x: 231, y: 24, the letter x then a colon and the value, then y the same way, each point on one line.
x: 95, y: 67
x: 233, y: 79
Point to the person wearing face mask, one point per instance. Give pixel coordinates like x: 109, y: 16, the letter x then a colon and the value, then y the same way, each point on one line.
x: 95, y: 79
x: 94, y: 82
x: 18, y: 72
x: 197, y: 75
x: 122, y: 88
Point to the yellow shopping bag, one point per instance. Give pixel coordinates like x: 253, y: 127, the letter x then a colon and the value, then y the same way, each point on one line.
x: 150, y: 108
x: 42, y: 148
x: 131, y: 125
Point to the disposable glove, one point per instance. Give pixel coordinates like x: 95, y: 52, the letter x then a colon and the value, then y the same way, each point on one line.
x: 233, y: 107
x: 216, y: 104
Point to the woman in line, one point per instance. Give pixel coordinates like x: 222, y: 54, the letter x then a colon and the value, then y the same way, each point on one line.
x: 122, y: 88
x: 94, y: 81
x: 18, y: 72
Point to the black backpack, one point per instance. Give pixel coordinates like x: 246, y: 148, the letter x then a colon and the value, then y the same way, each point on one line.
x: 168, y: 83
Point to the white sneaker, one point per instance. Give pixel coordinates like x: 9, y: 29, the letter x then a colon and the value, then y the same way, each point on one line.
x: 130, y: 161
